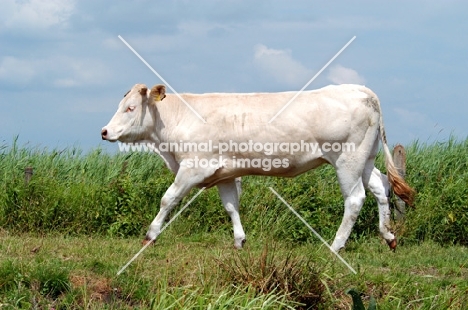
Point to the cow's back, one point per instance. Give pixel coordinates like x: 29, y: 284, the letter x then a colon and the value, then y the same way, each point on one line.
x: 332, y: 113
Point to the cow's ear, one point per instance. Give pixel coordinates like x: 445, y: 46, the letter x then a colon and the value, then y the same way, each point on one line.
x: 158, y: 92
x: 143, y: 90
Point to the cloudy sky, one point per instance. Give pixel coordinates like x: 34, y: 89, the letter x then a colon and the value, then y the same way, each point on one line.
x: 63, y: 68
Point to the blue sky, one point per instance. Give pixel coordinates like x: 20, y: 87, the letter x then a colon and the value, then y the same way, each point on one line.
x: 63, y: 69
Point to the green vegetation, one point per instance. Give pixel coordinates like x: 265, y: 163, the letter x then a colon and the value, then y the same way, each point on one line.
x: 181, y: 272
x: 95, y: 207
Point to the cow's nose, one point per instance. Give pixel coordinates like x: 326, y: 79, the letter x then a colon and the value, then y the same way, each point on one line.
x: 104, y: 134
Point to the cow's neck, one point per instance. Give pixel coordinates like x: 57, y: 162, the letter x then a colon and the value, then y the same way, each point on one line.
x: 168, y: 117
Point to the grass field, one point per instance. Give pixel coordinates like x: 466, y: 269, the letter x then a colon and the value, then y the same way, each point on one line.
x: 205, y: 272
x: 66, y: 233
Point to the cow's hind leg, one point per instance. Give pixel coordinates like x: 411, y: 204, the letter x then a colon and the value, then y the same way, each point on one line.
x: 229, y: 192
x: 349, y: 170
x: 378, y: 185
x: 354, y: 194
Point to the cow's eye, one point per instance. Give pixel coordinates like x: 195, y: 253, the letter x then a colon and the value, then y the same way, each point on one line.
x: 130, y: 109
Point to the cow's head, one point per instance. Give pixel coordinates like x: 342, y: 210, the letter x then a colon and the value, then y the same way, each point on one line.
x: 134, y: 119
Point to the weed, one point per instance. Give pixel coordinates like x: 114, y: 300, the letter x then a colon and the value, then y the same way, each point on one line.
x: 52, y: 280
x: 275, y: 271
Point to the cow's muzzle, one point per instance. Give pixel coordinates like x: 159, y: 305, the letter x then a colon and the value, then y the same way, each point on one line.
x: 104, y: 134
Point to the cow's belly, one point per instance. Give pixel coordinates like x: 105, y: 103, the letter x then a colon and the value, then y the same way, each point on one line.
x: 266, y: 166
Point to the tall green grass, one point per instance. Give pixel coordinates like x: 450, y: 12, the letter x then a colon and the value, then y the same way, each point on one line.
x: 439, y: 173
x: 72, y: 192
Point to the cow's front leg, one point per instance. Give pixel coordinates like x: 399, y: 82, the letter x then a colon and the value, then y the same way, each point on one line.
x: 185, y: 180
x: 170, y: 199
x: 229, y: 192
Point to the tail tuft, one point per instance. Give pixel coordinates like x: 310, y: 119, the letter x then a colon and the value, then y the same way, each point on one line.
x: 399, y: 185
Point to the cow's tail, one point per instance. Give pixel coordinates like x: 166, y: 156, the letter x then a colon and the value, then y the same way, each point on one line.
x: 400, y: 187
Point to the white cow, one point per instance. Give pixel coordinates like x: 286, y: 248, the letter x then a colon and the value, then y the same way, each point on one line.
x: 341, y: 125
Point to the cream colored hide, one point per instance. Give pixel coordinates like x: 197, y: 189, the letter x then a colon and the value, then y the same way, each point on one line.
x: 339, y: 125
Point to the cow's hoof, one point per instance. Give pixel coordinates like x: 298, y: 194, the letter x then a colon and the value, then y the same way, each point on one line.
x: 336, y: 248
x: 146, y: 241
x: 239, y: 245
x: 392, y: 244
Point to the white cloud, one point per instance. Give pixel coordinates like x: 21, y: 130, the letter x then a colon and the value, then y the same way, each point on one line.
x: 112, y: 43
x: 156, y: 42
x: 60, y: 71
x: 65, y: 83
x: 341, y: 75
x: 72, y: 72
x: 34, y: 14
x: 14, y: 70
x: 281, y: 66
